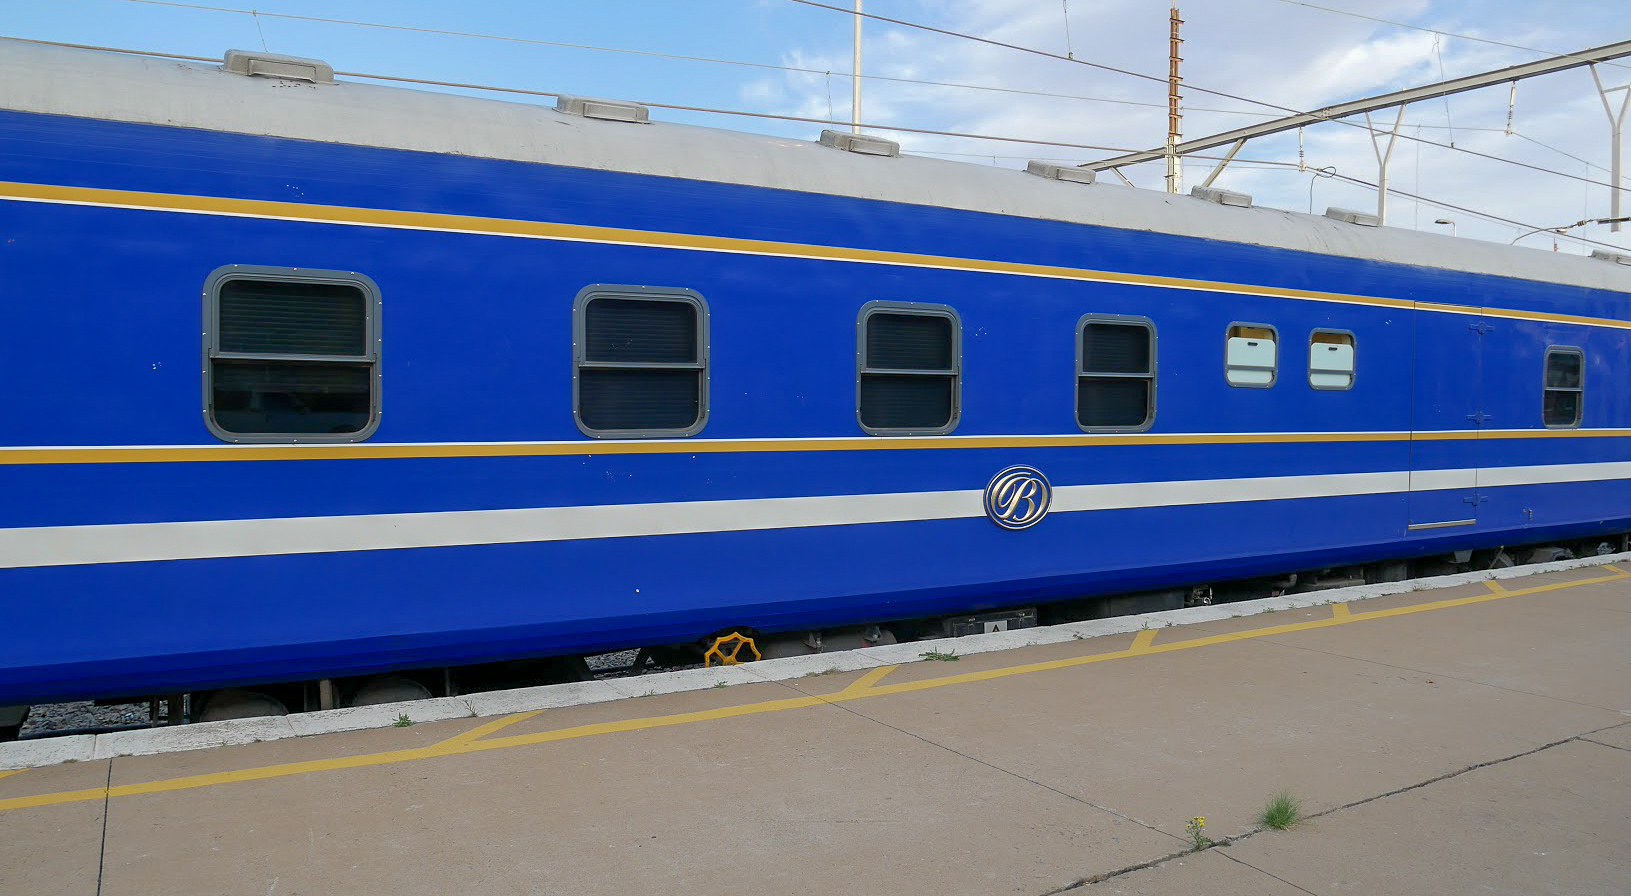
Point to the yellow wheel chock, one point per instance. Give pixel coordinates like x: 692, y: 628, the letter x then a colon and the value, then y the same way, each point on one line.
x: 727, y: 650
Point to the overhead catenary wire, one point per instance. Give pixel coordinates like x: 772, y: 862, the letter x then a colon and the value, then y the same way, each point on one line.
x: 681, y: 107
x: 846, y: 11
x: 1397, y: 24
x: 257, y: 14
x: 1189, y: 86
x: 532, y: 92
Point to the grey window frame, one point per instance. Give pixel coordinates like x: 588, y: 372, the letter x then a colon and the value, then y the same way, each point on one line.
x: 212, y: 350
x: 1354, y: 375
x: 1081, y: 374
x: 580, y: 306
x: 1580, y: 403
x: 926, y: 309
x: 1274, y: 372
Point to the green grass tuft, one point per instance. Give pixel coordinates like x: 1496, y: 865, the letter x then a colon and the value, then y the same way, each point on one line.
x: 1282, y: 811
x: 942, y: 657
x: 402, y: 721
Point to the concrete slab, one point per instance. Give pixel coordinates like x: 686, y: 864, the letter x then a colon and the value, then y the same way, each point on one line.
x: 1555, y: 822
x: 732, y: 807
x: 52, y: 850
x: 200, y: 736
x: 683, y: 680
x: 383, y: 715
x: 1215, y: 730
x: 1208, y: 873
x: 574, y: 693
x: 47, y: 751
x: 1562, y: 644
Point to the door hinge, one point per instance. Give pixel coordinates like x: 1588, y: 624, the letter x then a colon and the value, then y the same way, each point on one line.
x: 1480, y: 327
x: 1479, y: 419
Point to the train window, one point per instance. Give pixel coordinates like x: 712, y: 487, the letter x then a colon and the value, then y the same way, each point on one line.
x: 1251, y: 355
x: 291, y: 354
x: 1562, y: 404
x: 909, y: 368
x: 1115, y: 373
x: 641, y: 361
x: 1331, y: 359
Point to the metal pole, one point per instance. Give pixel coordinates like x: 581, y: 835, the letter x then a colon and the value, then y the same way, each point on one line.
x: 855, y: 82
x: 1382, y: 160
x: 1175, y: 117
x: 1616, y: 122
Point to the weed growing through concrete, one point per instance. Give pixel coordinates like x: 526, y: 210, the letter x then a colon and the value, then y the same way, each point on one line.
x: 1197, y: 833
x: 942, y: 657
x: 402, y: 721
x: 720, y: 684
x: 1282, y: 811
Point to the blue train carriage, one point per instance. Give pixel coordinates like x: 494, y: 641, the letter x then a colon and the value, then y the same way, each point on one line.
x: 322, y: 379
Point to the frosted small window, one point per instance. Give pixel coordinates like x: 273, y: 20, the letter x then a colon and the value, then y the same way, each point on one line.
x: 1251, y: 357
x: 1331, y: 360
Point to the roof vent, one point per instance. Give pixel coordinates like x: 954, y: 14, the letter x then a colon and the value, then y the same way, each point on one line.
x: 272, y: 65
x: 1222, y: 197
x: 1349, y: 216
x: 1061, y: 172
x: 1616, y: 257
x: 607, y: 110
x: 865, y: 144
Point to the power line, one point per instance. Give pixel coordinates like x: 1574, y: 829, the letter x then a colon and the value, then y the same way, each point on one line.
x: 1121, y: 71
x: 257, y: 14
x: 1397, y: 24
x: 463, y: 85
x: 1266, y: 163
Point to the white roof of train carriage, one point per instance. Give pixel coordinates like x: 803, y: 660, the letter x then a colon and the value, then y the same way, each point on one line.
x: 124, y: 87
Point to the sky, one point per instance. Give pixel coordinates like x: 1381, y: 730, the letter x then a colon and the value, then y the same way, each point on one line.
x: 783, y: 57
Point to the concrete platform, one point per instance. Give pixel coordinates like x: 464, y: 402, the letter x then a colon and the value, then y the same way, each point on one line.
x: 1473, y: 738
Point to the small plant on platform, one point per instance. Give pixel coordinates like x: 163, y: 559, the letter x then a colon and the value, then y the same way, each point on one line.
x: 721, y: 684
x: 1197, y: 833
x: 948, y: 657
x: 402, y: 721
x: 1282, y: 811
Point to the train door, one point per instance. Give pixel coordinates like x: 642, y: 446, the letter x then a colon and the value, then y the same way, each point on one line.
x: 1447, y: 416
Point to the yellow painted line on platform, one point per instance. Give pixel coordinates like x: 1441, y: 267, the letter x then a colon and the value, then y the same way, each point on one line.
x: 1339, y: 610
x: 1495, y: 586
x: 866, y: 681
x: 478, y: 739
x: 492, y: 727
x: 8, y: 772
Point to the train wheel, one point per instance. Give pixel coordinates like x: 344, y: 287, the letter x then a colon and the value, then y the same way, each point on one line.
x: 388, y: 689
x: 234, y: 703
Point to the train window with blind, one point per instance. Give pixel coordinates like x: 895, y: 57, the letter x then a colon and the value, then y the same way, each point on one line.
x: 1331, y: 359
x: 1564, y: 397
x: 640, y: 361
x: 909, y: 363
x: 1115, y: 373
x: 1251, y: 355
x: 291, y: 354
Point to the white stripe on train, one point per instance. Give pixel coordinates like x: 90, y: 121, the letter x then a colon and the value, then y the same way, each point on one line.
x: 201, y: 539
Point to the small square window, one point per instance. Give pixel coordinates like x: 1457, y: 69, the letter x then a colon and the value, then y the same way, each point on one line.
x: 1251, y: 355
x: 1115, y: 373
x: 641, y: 362
x: 1563, y: 399
x: 292, y: 355
x: 909, y: 375
x: 1331, y: 359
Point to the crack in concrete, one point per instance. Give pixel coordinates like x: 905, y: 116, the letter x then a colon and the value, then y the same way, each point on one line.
x: 1253, y: 832
x: 1240, y: 861
x: 102, y: 851
x: 996, y: 768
